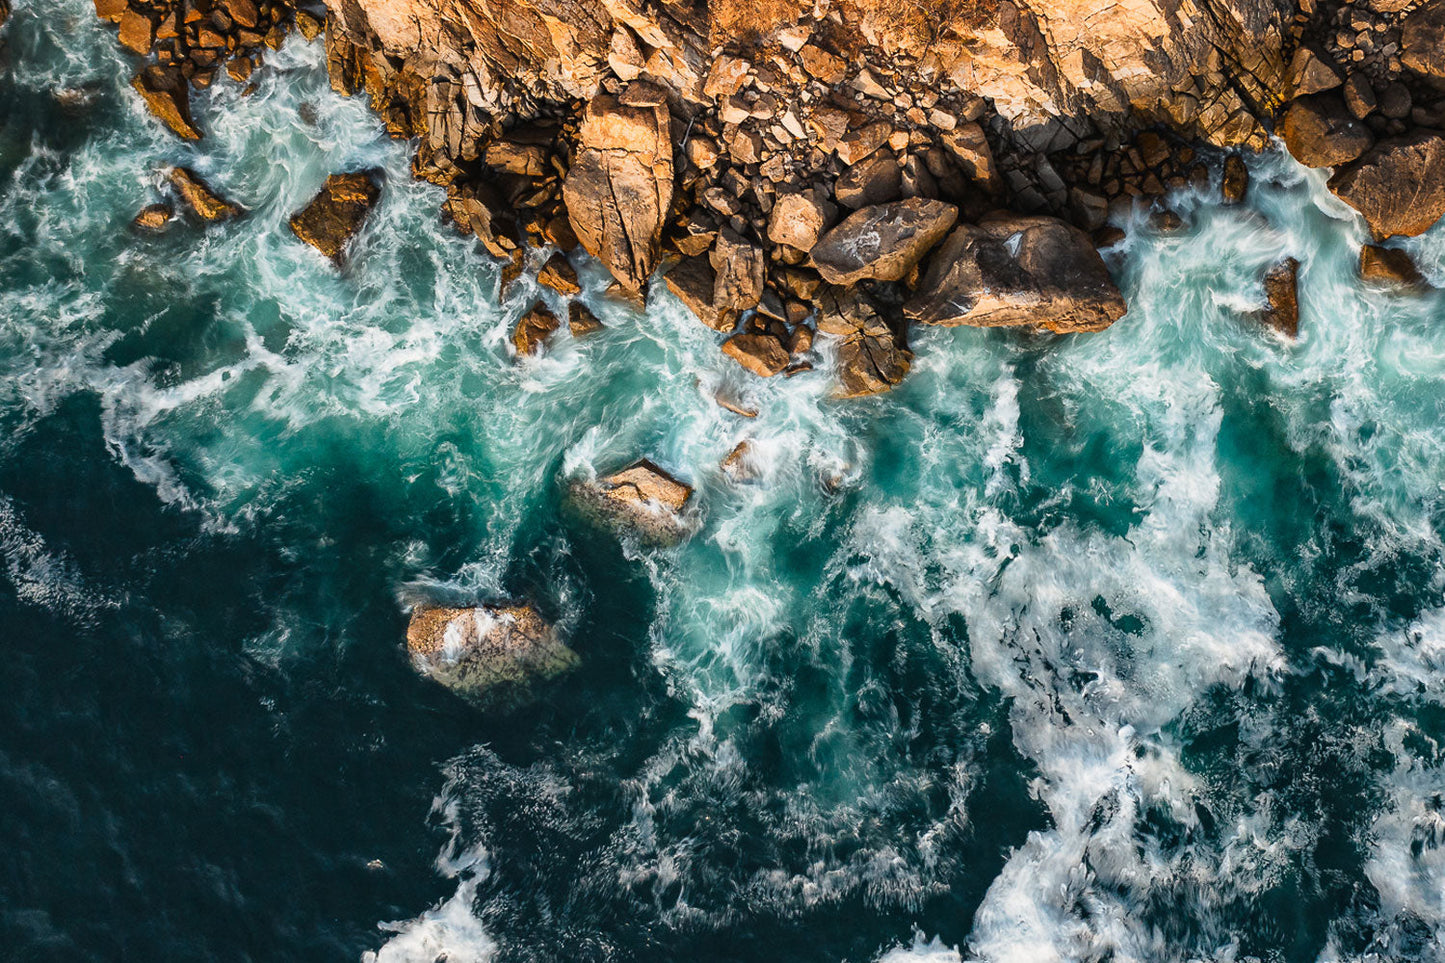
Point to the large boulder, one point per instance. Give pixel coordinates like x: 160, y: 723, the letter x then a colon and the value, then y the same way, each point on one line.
x: 799, y: 220
x: 1312, y: 71
x: 738, y: 268
x: 1321, y: 132
x: 1422, y: 42
x: 1018, y: 271
x: 1390, y: 266
x: 693, y: 282
x: 1399, y: 185
x: 641, y: 498
x: 872, y: 356
x: 883, y: 242
x: 490, y: 655
x: 619, y: 188
x: 167, y: 93
x: 762, y: 353
x: 336, y: 213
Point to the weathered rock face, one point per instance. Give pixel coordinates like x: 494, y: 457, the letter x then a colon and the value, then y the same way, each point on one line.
x: 1320, y: 132
x: 761, y: 353
x: 335, y: 214
x: 872, y: 354
x: 168, y: 95
x: 490, y: 655
x: 641, y: 498
x: 198, y: 197
x: 533, y: 330
x: 1018, y: 271
x: 1399, y: 185
x: 1422, y: 41
x: 619, y: 188
x: 798, y: 220
x: 1389, y: 265
x: 883, y: 242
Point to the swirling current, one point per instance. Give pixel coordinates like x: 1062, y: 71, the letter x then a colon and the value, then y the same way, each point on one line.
x: 1117, y: 647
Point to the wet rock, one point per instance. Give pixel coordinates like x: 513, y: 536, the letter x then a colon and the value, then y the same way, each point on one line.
x: 762, y: 354
x: 533, y: 330
x: 1422, y: 42
x: 1320, y: 132
x: 154, y: 218
x: 1281, y: 290
x: 1166, y: 222
x: 694, y: 282
x: 582, y: 322
x: 798, y: 220
x: 203, y: 202
x: 739, y: 464
x: 168, y: 95
x: 1399, y: 185
x: 1018, y: 271
x: 559, y: 275
x: 883, y: 242
x: 872, y: 356
x: 1389, y: 265
x: 641, y: 498
x: 620, y: 188
x: 490, y: 655
x: 337, y: 212
x: 1235, y: 184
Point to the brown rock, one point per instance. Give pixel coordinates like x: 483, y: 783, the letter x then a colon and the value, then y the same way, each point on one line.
x: 877, y: 179
x: 1312, y: 71
x: 801, y: 340
x: 166, y: 93
x: 526, y: 160
x: 798, y: 220
x: 309, y: 26
x: 1389, y: 265
x: 1281, y: 289
x: 858, y: 144
x: 490, y: 655
x: 111, y: 10
x: 1018, y: 271
x: 762, y: 354
x: 199, y: 198
x: 1235, y: 184
x: 1320, y: 132
x: 1422, y: 42
x: 871, y: 356
x: 1396, y: 102
x: 154, y: 218
x: 559, y: 275
x: 738, y: 465
x: 533, y: 330
x: 738, y: 268
x: 337, y: 212
x: 137, y: 31
x: 582, y: 322
x: 239, y: 69
x: 242, y: 12
x: 823, y: 66
x: 642, y: 498
x: 1166, y: 222
x: 884, y: 242
x: 1399, y: 185
x: 693, y: 282
x: 620, y: 188
x: 970, y: 149
x: 1360, y: 96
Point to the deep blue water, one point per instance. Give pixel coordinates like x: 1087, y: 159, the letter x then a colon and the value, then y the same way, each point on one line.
x: 1118, y: 647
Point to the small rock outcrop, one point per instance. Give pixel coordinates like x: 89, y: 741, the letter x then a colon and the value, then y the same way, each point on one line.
x: 1018, y: 271
x: 489, y: 655
x: 337, y: 212
x: 761, y: 353
x: 1281, y: 290
x: 199, y: 199
x: 619, y: 189
x: 883, y: 242
x: 1389, y: 265
x: 642, y: 498
x: 1235, y: 184
x: 1399, y: 185
x: 154, y: 218
x: 534, y: 330
x: 873, y: 356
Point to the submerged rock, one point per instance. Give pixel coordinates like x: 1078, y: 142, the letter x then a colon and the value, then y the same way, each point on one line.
x: 336, y: 213
x: 1399, y: 185
x: 487, y: 654
x: 641, y: 498
x: 883, y: 242
x: 199, y: 198
x: 1018, y: 271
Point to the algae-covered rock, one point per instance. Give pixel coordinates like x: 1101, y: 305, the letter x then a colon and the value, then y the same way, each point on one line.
x: 490, y: 655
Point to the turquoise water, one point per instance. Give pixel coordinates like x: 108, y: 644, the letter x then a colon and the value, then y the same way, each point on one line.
x: 1120, y: 647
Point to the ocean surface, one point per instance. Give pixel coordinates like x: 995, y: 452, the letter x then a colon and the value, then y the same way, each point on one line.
x: 1122, y: 647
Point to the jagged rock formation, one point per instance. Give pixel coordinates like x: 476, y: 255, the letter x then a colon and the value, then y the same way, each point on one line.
x: 337, y: 212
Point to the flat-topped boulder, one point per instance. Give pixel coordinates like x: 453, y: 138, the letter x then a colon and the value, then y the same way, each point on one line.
x: 619, y: 189
x: 1398, y: 185
x: 1422, y: 42
x: 642, y: 498
x: 1010, y: 271
x: 488, y: 654
x: 1321, y: 132
x: 882, y: 242
x: 337, y: 212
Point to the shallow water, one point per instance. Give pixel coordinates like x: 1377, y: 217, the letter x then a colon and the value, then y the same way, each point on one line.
x: 1120, y: 647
